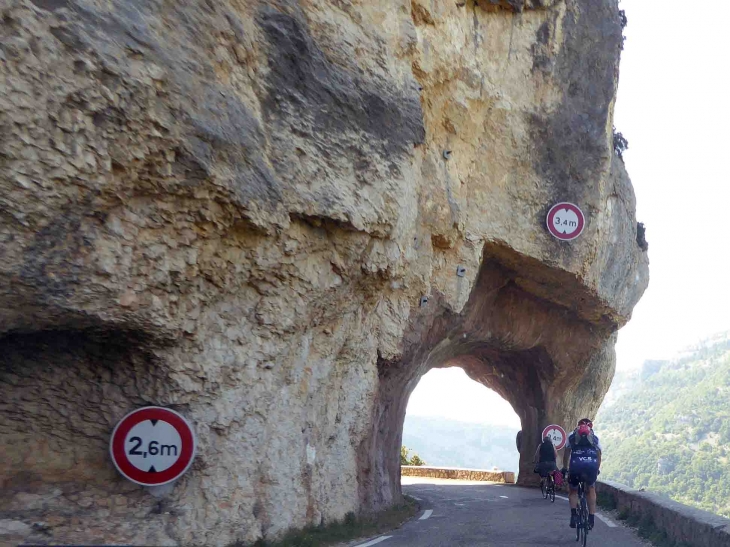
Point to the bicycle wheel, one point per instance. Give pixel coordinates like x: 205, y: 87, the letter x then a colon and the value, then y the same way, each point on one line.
x: 584, y: 512
x: 543, y: 488
x: 552, y: 490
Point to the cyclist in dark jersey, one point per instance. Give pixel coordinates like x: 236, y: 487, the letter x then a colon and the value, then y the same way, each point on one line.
x: 583, y: 451
x: 546, y: 457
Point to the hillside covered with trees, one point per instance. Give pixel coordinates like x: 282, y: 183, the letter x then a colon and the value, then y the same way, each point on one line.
x: 666, y: 427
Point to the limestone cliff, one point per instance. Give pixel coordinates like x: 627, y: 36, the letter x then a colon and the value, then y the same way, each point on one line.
x: 234, y: 209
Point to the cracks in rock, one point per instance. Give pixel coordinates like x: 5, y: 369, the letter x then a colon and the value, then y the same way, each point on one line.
x: 420, y: 15
x: 386, y: 366
x: 327, y: 223
x: 64, y: 390
x: 641, y: 237
x: 517, y: 6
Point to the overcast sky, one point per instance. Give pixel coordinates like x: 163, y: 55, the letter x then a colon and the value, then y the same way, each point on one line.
x: 674, y: 108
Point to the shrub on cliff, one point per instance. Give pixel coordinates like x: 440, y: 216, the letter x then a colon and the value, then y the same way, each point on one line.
x: 620, y: 143
x: 415, y: 460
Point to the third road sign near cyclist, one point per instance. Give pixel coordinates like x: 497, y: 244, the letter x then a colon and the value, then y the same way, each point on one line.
x: 565, y: 221
x: 556, y: 434
x: 152, y: 446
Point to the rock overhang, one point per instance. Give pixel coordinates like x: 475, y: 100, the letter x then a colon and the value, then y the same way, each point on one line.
x: 254, y: 198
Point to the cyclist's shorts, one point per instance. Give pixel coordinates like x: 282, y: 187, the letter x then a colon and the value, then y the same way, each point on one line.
x: 587, y: 472
x: 545, y: 468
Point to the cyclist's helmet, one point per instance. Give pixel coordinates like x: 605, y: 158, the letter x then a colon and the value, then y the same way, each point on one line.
x: 584, y: 429
x: 585, y: 421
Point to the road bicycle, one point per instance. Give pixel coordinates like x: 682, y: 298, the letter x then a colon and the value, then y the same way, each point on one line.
x: 547, y: 487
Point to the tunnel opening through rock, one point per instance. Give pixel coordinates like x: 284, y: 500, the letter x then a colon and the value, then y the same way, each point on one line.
x: 551, y: 360
x: 455, y: 421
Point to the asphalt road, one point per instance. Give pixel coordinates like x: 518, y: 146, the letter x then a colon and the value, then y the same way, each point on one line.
x: 463, y: 513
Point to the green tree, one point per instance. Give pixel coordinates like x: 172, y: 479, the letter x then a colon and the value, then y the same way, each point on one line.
x: 414, y: 460
x: 404, y: 456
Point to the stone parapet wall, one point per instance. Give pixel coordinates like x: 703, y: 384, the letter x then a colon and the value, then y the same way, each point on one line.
x: 507, y: 477
x: 680, y: 522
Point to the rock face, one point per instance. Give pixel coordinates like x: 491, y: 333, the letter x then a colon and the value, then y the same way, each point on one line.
x: 234, y: 209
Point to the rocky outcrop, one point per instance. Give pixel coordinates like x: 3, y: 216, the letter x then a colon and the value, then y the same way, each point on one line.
x: 235, y: 209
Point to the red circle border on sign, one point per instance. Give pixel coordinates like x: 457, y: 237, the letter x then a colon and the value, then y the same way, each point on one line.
x: 145, y: 478
x: 572, y: 207
x: 556, y: 426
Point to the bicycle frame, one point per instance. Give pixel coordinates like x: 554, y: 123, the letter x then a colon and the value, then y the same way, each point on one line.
x: 581, y: 529
x: 547, y: 487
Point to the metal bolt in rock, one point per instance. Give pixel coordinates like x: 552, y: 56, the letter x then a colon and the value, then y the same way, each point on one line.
x: 460, y: 271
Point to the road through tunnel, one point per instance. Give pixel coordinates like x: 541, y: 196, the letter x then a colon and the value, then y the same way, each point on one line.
x: 547, y: 359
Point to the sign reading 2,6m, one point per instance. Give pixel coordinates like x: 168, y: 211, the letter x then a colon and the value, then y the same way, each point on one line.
x: 152, y: 446
x: 565, y: 221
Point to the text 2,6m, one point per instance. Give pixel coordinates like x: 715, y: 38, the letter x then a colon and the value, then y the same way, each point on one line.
x: 153, y: 448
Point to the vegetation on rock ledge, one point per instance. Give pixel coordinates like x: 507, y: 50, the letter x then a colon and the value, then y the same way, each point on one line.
x: 349, y: 528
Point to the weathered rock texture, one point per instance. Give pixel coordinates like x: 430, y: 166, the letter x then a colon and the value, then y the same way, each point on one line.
x: 233, y: 208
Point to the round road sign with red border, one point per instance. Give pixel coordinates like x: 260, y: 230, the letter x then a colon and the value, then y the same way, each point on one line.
x: 152, y: 446
x: 556, y: 434
x: 565, y: 221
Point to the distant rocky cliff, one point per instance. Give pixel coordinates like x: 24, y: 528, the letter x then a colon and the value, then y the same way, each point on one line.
x: 236, y: 209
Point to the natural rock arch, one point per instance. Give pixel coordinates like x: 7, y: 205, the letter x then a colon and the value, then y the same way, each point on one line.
x: 549, y: 363
x: 234, y: 209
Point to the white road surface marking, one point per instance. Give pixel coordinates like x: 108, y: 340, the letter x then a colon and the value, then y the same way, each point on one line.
x: 427, y: 513
x: 606, y: 520
x: 459, y: 504
x: 374, y: 541
x: 417, y: 499
x: 505, y: 497
x: 562, y: 498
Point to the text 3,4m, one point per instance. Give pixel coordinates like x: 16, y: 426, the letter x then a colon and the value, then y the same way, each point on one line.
x: 153, y: 448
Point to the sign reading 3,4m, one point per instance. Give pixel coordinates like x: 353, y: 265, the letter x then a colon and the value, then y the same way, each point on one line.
x: 152, y: 446
x: 565, y: 221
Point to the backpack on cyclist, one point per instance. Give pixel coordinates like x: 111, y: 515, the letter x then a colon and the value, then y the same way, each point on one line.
x: 583, y: 436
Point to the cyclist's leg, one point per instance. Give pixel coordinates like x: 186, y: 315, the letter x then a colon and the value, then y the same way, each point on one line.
x: 591, y: 477
x: 573, y: 481
x: 591, y: 497
x: 573, y: 490
x: 553, y: 468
